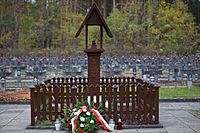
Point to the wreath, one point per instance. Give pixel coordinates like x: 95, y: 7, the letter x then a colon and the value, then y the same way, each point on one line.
x: 84, y: 118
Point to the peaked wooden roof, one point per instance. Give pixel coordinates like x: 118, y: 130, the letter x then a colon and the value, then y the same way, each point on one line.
x: 94, y: 17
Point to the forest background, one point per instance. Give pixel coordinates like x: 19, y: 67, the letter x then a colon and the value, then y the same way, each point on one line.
x: 48, y: 27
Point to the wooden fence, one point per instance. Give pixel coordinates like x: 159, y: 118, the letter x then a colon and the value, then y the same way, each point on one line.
x: 132, y: 100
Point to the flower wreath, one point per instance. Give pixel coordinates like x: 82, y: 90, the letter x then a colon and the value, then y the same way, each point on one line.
x: 84, y: 118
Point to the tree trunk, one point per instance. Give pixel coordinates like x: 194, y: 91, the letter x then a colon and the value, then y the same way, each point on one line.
x: 75, y: 6
x: 104, y: 12
x: 18, y: 8
x: 114, y: 3
x: 81, y: 6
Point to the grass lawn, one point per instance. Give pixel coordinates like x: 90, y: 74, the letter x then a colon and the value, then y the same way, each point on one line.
x: 24, y: 94
x: 194, y: 92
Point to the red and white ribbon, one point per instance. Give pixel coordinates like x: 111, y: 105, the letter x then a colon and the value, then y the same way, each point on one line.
x: 74, y: 120
x: 97, y: 116
x: 101, y: 120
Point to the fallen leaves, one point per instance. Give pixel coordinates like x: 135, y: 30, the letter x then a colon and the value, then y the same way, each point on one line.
x: 14, y: 95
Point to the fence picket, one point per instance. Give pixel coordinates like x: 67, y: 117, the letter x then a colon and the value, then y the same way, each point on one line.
x: 50, y: 102
x: 74, y: 94
x: 90, y: 91
x: 56, y: 101
x: 127, y: 100
x: 44, y: 101
x: 33, y: 96
x: 115, y: 103
x: 156, y: 105
x: 138, y: 102
x: 145, y: 102
x: 103, y: 97
x: 121, y: 101
x: 133, y: 101
x: 97, y: 92
x: 109, y: 100
x: 62, y: 98
x: 38, y: 102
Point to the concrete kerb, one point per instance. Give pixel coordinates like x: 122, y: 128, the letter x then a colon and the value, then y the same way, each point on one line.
x: 180, y: 100
x: 142, y: 126
x: 124, y: 127
x: 160, y: 100
x: 16, y: 102
x: 40, y: 127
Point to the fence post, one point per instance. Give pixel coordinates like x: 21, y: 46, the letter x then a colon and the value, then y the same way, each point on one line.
x: 157, y: 104
x: 50, y: 101
x: 138, y: 92
x: 145, y: 102
x: 44, y: 102
x: 38, y: 103
x: 150, y: 103
x: 32, y: 106
x: 133, y: 99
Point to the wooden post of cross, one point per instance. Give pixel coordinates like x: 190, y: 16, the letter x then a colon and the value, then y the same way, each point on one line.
x: 94, y: 18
